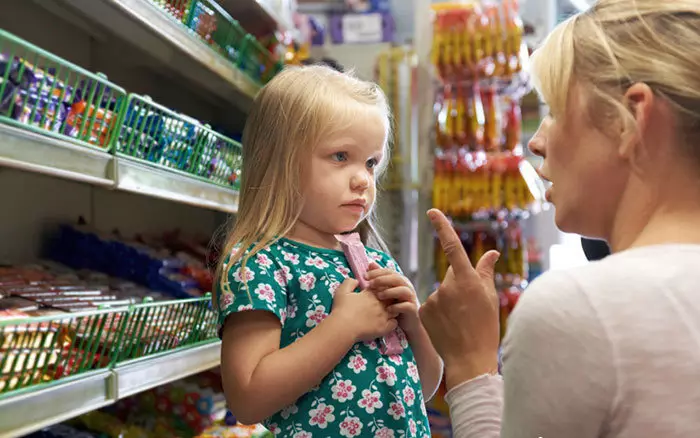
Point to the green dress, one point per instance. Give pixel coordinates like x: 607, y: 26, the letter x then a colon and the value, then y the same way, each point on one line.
x: 368, y: 394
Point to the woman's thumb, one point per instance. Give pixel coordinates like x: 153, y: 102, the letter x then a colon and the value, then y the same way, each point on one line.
x: 487, y: 264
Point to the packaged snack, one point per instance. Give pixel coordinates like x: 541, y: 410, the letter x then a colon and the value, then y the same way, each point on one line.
x: 355, y: 252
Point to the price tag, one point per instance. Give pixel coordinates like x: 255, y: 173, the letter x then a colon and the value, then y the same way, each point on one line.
x: 362, y: 28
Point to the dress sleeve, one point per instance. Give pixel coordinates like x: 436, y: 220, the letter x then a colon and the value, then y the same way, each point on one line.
x: 260, y: 285
x: 559, y: 374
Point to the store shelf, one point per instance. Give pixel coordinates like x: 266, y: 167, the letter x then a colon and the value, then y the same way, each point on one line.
x: 144, y: 25
x: 36, y: 409
x: 30, y: 151
x: 142, y: 375
x: 32, y: 411
x: 146, y: 180
x: 256, y: 16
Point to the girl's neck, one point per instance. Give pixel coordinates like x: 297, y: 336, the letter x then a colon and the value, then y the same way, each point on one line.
x: 303, y: 233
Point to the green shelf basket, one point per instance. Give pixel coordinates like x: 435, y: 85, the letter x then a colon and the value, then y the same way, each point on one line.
x: 156, y: 135
x: 178, y: 9
x: 216, y: 27
x: 159, y: 327
x: 43, y: 351
x: 43, y: 93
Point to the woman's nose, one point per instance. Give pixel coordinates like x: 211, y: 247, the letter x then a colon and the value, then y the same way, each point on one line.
x: 538, y: 142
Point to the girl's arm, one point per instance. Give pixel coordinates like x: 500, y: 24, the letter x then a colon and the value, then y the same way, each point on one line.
x: 428, y: 361
x: 261, y: 379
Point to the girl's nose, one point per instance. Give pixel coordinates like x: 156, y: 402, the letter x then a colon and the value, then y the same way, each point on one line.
x: 360, y: 181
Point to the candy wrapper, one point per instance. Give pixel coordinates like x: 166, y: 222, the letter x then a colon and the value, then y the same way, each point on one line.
x: 355, y: 252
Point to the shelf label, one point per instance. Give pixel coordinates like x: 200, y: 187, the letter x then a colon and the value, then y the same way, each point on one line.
x: 362, y: 28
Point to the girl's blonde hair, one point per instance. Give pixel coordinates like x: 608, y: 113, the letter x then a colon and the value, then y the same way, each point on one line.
x: 617, y: 43
x: 292, y: 115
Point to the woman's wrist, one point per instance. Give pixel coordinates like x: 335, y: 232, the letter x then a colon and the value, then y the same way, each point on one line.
x: 462, y: 369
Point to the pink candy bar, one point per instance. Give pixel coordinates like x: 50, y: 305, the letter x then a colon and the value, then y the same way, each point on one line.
x: 355, y: 252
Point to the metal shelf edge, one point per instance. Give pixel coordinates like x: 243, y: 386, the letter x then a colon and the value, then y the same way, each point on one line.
x: 27, y: 413
x: 26, y: 150
x: 144, y: 375
x: 147, y: 180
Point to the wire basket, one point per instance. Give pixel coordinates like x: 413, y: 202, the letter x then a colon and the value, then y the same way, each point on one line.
x: 158, y: 327
x: 178, y: 9
x: 216, y: 27
x: 46, y: 94
x: 156, y: 135
x: 45, y: 349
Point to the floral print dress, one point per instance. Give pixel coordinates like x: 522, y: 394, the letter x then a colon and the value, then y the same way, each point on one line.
x: 368, y: 394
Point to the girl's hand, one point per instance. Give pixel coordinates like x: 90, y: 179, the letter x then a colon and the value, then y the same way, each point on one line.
x: 398, y: 294
x: 363, y: 314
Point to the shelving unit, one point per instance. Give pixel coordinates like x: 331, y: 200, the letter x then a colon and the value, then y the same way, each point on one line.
x: 115, y: 183
x: 28, y: 412
x: 143, y: 24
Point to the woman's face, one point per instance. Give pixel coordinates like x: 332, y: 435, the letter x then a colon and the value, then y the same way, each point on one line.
x: 584, y: 166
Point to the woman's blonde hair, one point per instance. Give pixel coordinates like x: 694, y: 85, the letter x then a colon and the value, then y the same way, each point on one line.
x: 292, y: 115
x: 617, y: 43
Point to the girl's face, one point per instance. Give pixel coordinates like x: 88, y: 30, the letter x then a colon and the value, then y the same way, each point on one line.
x: 340, y: 189
x: 583, y: 164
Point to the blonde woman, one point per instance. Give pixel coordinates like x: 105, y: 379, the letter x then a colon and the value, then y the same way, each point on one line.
x: 611, y: 349
x: 299, y: 348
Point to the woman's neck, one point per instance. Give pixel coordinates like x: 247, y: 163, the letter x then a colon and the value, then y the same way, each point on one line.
x: 664, y: 215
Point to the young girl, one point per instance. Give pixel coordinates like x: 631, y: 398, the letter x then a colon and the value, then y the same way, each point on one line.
x: 300, y: 350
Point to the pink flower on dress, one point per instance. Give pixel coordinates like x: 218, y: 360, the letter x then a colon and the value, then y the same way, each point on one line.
x: 283, y: 315
x: 342, y: 270
x: 265, y: 292
x: 397, y: 410
x: 321, y: 415
x: 307, y: 281
x: 384, y: 432
x: 396, y: 359
x: 357, y: 363
x: 370, y: 401
x: 413, y: 372
x: 351, y: 427
x: 374, y: 256
x: 316, y: 316
x: 263, y: 260
x: 333, y: 287
x: 409, y: 396
x: 244, y: 307
x: 412, y: 427
x: 386, y: 373
x: 289, y: 411
x: 372, y: 345
x: 282, y: 276
x: 245, y: 276
x: 343, y: 390
x: 226, y: 300
x: 291, y: 258
x: 302, y: 434
x: 274, y: 429
x: 317, y: 262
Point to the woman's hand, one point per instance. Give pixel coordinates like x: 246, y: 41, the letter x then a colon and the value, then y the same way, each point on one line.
x: 461, y: 316
x: 397, y: 292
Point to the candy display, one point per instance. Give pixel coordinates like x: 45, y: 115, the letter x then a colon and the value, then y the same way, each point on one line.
x: 178, y: 9
x: 472, y: 184
x: 171, y: 264
x: 79, y: 107
x: 155, y: 134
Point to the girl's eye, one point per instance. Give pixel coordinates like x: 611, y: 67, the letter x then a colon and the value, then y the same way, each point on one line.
x: 340, y: 156
x: 372, y: 163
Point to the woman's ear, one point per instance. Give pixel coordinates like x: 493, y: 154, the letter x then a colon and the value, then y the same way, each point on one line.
x: 639, y: 100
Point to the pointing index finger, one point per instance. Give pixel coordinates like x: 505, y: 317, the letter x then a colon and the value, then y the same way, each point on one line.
x: 450, y: 242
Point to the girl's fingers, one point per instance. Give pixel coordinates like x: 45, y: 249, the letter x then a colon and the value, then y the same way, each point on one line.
x: 399, y: 308
x: 401, y: 294
x: 388, y: 281
x: 378, y: 272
